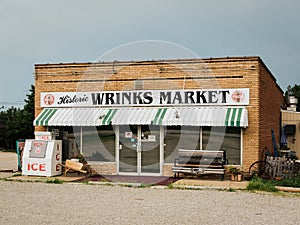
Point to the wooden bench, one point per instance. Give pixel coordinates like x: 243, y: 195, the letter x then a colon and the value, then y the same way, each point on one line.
x: 75, y: 166
x: 198, y: 162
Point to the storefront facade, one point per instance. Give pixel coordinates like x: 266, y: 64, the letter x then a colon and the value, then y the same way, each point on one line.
x: 132, y: 117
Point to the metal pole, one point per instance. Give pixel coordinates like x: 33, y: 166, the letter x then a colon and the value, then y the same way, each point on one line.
x: 81, y: 140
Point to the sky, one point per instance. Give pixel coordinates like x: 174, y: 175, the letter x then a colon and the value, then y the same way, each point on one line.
x: 58, y: 31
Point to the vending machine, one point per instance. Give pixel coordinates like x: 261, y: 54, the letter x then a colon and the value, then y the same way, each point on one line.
x: 42, y: 157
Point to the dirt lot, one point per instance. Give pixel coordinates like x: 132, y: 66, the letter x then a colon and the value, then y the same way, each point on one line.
x: 8, y: 161
x: 79, y: 203
x: 74, y: 203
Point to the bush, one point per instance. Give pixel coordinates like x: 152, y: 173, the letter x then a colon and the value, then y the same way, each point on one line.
x: 288, y: 182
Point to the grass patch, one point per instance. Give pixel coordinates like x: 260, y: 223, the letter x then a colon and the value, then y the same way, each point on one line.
x: 231, y: 190
x: 144, y: 185
x: 170, y: 186
x: 17, y: 175
x: 258, y: 184
x: 54, y: 181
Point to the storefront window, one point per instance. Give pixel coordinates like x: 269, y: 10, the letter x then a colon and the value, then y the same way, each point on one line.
x: 98, y: 143
x: 223, y: 138
x: 176, y: 137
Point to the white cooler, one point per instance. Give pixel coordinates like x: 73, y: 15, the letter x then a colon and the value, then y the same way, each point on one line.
x: 42, y: 158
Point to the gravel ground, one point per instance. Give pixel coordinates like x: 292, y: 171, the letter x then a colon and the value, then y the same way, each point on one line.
x: 8, y: 161
x: 73, y: 203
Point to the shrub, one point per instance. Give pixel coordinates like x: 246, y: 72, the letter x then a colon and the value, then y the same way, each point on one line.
x: 288, y: 182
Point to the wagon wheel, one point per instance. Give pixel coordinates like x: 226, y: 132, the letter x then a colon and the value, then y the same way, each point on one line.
x: 261, y: 169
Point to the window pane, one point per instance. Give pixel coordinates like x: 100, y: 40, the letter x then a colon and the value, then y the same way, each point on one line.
x: 98, y: 144
x: 186, y: 137
x: 228, y: 139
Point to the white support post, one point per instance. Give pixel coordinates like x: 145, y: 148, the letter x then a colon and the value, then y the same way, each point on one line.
x: 81, y: 140
x: 162, y: 149
x: 200, y: 138
x: 117, y: 147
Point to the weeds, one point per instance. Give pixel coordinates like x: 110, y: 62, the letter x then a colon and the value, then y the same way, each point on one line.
x: 54, y: 181
x: 170, y: 186
x: 258, y: 184
x: 17, y: 175
x: 288, y: 182
x: 231, y: 190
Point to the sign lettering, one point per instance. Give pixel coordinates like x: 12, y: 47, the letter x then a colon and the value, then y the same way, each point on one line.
x: 36, y: 167
x: 148, y: 98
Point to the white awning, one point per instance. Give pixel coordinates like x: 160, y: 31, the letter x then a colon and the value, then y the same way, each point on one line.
x: 74, y: 117
x: 136, y: 116
x: 201, y: 116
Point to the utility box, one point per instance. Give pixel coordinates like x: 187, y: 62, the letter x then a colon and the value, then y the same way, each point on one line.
x: 42, y: 158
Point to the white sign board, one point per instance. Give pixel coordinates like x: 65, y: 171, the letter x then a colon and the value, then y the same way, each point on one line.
x: 146, y: 98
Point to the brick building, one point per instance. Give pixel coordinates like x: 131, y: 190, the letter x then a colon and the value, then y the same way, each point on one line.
x: 132, y: 117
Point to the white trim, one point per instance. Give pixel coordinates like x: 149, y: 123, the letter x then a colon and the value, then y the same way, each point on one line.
x: 200, y: 139
x: 161, y: 147
x: 81, y: 141
x: 242, y: 147
x: 136, y: 174
x: 117, y: 147
x: 139, y: 150
x: 128, y: 174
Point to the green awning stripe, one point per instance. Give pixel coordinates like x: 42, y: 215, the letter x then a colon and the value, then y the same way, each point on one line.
x: 233, y: 117
x: 40, y: 116
x: 227, y: 117
x: 44, y: 117
x: 104, y: 121
x: 162, y: 116
x: 238, y: 122
x: 49, y: 117
x: 109, y: 116
x: 157, y: 117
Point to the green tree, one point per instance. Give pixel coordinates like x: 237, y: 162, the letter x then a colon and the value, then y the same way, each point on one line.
x: 17, y: 123
x: 28, y: 114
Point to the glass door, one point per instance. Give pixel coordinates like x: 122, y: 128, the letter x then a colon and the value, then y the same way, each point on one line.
x: 128, y: 149
x: 139, y: 149
x: 150, y: 149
